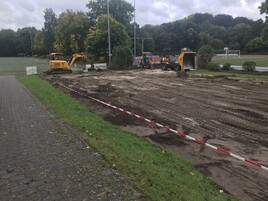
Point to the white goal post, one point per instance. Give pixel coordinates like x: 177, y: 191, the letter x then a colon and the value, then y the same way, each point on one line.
x: 227, y: 53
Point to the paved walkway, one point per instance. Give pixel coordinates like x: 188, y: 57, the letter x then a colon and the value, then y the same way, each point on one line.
x: 43, y: 159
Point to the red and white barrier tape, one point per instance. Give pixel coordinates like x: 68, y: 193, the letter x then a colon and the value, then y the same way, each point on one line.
x: 167, y: 128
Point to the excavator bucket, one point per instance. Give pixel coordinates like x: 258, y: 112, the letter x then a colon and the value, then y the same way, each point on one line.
x: 187, y: 60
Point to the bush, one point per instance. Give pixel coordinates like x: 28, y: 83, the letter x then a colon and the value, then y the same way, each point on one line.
x: 214, y: 67
x: 249, y: 66
x: 122, y: 57
x: 204, y: 56
x: 226, y: 67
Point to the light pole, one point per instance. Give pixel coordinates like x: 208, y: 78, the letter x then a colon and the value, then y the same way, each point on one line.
x: 31, y: 42
x: 109, y: 36
x: 135, y: 33
x: 142, y: 43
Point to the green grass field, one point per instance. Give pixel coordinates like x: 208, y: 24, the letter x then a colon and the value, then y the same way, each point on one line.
x: 261, y: 60
x: 17, y: 65
x: 158, y: 173
x: 253, y: 76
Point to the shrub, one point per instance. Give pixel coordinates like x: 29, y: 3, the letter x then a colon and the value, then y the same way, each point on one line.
x: 122, y: 57
x: 214, y: 67
x: 204, y: 56
x: 249, y: 66
x: 226, y: 67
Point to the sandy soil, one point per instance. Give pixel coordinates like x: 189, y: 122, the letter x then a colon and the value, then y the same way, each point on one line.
x: 227, y: 113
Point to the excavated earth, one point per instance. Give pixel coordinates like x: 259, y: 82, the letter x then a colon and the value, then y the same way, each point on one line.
x: 224, y: 112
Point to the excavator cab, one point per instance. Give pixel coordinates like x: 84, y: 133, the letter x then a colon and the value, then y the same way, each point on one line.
x: 171, y: 62
x: 147, y: 61
x: 57, y: 64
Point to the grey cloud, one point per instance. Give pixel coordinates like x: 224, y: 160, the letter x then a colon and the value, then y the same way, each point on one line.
x: 17, y: 13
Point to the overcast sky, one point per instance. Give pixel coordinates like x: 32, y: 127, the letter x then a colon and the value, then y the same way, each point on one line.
x: 16, y: 14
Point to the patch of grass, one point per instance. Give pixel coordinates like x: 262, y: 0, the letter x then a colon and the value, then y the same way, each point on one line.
x: 260, y: 60
x: 158, y: 173
x: 17, y: 65
x: 259, y: 76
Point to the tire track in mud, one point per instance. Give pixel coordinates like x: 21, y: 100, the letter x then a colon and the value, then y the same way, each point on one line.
x: 256, y: 116
x: 190, y: 111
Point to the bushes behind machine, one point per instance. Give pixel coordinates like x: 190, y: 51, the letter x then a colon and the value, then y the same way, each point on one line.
x: 214, y: 66
x: 249, y: 66
x: 122, y: 57
x: 204, y: 56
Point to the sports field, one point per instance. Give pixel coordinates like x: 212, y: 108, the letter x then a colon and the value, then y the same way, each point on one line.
x: 261, y: 60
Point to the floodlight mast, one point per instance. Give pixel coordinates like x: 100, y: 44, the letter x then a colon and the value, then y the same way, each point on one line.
x: 135, y: 34
x: 142, y: 43
x: 109, y: 35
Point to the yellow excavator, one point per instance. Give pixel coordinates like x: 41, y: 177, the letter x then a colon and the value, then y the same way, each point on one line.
x: 58, y: 65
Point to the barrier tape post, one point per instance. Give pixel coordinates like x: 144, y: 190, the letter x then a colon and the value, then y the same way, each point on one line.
x: 167, y: 128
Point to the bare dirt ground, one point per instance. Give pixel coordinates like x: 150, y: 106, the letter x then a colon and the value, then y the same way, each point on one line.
x: 229, y: 114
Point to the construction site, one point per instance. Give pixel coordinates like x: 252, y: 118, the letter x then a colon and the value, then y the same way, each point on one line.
x: 227, y: 113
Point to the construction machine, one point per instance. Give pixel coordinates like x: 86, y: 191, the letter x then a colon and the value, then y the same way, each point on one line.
x: 184, y: 61
x: 58, y: 65
x: 170, y: 62
x: 146, y: 61
x: 180, y: 63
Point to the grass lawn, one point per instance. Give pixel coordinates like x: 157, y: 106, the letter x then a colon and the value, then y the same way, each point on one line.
x: 17, y: 65
x: 158, y: 173
x: 261, y: 60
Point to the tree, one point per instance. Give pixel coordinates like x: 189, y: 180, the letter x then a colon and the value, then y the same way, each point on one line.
x: 97, y: 40
x: 264, y: 7
x: 240, y: 34
x: 71, y: 32
x: 204, y: 56
x: 49, y: 29
x: 200, y: 18
x: 24, y: 40
x: 38, y: 43
x: 223, y: 20
x: 256, y: 44
x: 7, y: 43
x: 191, y: 39
x: 264, y: 10
x: 121, y: 10
x: 122, y: 57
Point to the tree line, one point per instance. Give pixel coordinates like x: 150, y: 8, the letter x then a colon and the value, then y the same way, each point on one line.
x: 77, y: 31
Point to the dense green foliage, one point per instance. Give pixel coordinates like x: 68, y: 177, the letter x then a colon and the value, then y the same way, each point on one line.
x: 157, y: 173
x: 71, y: 32
x: 226, y: 67
x: 49, y: 31
x: 68, y: 32
x: 122, y: 57
x: 214, y: 66
x: 204, y: 56
x: 204, y: 29
x: 121, y: 10
x: 96, y: 42
x: 249, y: 66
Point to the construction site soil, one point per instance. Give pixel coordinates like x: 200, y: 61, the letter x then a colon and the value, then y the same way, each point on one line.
x: 230, y: 114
